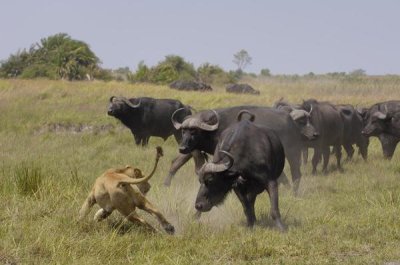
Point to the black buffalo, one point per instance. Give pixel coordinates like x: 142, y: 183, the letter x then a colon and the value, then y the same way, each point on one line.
x: 249, y: 158
x: 147, y: 117
x: 242, y: 89
x: 383, y: 121
x: 352, y: 127
x: 190, y: 86
x: 328, y: 122
x: 202, y: 130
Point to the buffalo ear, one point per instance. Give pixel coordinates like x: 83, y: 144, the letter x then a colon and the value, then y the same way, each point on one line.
x: 205, y: 156
x: 381, y: 115
x: 238, y: 181
x: 362, y: 111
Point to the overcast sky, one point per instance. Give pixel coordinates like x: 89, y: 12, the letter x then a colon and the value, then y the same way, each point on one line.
x: 285, y: 36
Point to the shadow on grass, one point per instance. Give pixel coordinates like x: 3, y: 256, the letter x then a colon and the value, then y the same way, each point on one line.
x: 123, y: 227
x: 266, y: 221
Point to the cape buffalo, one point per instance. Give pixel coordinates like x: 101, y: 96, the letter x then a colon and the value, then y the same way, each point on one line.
x: 352, y: 127
x: 202, y: 130
x: 383, y: 121
x: 190, y: 86
x: 249, y: 158
x: 328, y: 122
x: 147, y: 117
x: 242, y: 88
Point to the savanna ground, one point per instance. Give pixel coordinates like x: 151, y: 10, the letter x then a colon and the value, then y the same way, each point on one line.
x: 55, y: 139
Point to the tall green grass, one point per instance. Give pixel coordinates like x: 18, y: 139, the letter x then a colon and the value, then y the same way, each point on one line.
x: 45, y: 175
x: 28, y: 178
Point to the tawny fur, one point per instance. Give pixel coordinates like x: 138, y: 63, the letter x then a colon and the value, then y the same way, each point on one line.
x: 123, y: 190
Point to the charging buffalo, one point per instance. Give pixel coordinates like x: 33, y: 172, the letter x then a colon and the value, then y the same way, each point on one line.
x: 249, y: 158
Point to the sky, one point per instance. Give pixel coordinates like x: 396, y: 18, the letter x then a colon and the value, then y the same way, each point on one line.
x: 285, y: 36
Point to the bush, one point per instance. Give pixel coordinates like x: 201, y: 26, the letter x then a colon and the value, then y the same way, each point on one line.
x: 28, y: 178
x: 55, y: 57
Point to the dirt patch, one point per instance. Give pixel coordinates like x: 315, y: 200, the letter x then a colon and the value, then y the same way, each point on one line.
x: 61, y: 128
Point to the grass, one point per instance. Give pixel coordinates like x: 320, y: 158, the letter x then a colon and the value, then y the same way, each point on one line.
x: 45, y: 175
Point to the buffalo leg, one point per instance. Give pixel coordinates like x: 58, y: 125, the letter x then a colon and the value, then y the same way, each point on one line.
x: 338, y: 152
x: 138, y: 139
x: 389, y: 144
x: 325, y: 153
x: 247, y: 201
x: 272, y: 188
x: 176, y: 164
x: 305, y: 155
x: 293, y: 158
x: 283, y: 179
x: 349, y: 151
x: 315, y: 160
x: 145, y: 140
x: 363, y: 147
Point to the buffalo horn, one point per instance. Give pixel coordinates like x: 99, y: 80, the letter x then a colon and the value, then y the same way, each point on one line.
x: 310, y: 110
x: 215, y: 168
x: 207, y: 127
x: 380, y: 115
x: 176, y: 124
x: 239, y: 116
x: 130, y: 103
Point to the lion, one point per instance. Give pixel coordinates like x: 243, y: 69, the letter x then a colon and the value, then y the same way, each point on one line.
x: 124, y: 189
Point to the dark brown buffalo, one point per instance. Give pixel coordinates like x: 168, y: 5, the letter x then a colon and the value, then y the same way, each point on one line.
x: 242, y: 89
x: 382, y: 120
x: 147, y: 117
x: 328, y: 122
x: 190, y: 86
x: 202, y: 130
x: 352, y: 127
x: 249, y: 158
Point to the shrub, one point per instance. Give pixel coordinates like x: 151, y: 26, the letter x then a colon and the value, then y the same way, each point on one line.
x: 28, y: 178
x: 55, y: 57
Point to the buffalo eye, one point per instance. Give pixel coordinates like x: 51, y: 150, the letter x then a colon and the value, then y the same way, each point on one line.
x: 302, y: 121
x: 208, y: 181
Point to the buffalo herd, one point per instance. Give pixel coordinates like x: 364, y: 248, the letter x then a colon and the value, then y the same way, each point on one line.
x: 249, y: 144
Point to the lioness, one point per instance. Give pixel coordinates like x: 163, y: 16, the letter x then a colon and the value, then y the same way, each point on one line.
x: 114, y: 190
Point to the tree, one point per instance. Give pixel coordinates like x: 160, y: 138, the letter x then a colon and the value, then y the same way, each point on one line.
x: 265, y: 72
x: 173, y: 68
x: 358, y: 72
x: 241, y: 59
x: 207, y: 72
x: 57, y: 56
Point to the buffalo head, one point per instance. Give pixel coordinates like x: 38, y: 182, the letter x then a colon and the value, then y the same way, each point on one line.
x: 302, y: 120
x: 118, y: 105
x: 377, y: 122
x: 216, y: 180
x: 193, y: 129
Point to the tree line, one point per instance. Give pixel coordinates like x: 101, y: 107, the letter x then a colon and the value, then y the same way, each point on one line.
x: 61, y: 57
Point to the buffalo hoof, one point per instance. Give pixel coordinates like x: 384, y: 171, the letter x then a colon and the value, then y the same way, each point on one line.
x: 281, y: 227
x: 167, y: 181
x: 170, y: 229
x: 197, y: 216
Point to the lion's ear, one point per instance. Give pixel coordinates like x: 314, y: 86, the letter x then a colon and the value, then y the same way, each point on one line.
x: 138, y: 173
